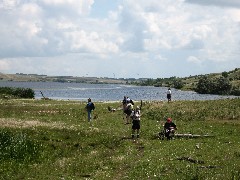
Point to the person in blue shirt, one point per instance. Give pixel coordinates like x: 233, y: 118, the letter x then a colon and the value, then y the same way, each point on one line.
x: 90, y: 107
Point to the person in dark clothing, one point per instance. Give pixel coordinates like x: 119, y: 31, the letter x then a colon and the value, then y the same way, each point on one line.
x: 169, y: 128
x: 90, y: 107
x: 124, y: 102
x: 127, y: 108
x: 136, y: 121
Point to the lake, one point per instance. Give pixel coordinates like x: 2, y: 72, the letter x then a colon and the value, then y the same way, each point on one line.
x: 106, y: 92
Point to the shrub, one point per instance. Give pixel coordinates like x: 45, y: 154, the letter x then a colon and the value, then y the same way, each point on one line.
x: 178, y: 84
x: 213, y: 86
x: 225, y: 74
x: 17, y: 92
x: 235, y: 91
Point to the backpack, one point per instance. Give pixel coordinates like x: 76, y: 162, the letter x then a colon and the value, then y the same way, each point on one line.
x: 129, y: 107
x: 90, y: 106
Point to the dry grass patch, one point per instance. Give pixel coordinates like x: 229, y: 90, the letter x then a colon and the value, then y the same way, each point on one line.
x: 14, y: 123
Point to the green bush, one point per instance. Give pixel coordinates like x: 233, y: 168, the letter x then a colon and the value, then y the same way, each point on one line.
x: 178, y: 84
x: 208, y: 85
x: 17, y: 92
x: 235, y: 91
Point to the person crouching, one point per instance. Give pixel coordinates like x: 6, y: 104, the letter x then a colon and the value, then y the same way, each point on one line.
x: 136, y: 121
x: 169, y: 128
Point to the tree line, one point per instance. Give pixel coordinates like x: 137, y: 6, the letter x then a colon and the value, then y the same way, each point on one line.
x: 225, y: 83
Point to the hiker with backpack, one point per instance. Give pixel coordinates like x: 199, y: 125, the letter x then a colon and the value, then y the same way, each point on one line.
x: 136, y: 121
x: 128, y: 100
x: 90, y: 107
x: 128, y: 111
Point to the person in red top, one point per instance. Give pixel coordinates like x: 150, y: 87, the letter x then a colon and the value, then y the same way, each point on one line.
x: 169, y: 128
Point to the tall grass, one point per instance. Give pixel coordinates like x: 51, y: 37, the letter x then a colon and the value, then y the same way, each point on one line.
x: 18, y: 147
x: 54, y: 141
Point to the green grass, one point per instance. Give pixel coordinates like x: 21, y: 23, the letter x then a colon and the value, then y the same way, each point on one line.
x: 53, y: 140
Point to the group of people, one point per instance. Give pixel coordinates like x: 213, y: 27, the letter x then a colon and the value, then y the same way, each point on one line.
x: 133, y: 116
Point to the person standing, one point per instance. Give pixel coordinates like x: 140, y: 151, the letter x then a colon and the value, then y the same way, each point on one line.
x: 169, y: 95
x: 136, y: 121
x: 128, y: 111
x: 90, y: 107
x: 124, y: 103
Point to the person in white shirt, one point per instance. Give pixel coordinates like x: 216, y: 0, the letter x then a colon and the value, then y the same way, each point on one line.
x: 169, y: 95
x: 136, y: 121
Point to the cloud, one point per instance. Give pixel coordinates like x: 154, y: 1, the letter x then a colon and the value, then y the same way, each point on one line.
x: 194, y: 60
x: 67, y: 7
x: 4, y: 65
x: 82, y: 41
x: 220, y: 3
x: 33, y: 32
x: 64, y: 37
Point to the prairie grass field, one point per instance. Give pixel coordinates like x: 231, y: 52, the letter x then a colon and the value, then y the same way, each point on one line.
x: 50, y: 139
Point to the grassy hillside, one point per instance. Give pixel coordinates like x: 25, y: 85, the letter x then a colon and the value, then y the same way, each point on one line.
x: 53, y: 140
x: 233, y: 76
x: 63, y: 79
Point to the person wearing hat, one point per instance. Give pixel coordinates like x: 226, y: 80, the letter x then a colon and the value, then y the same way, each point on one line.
x: 169, y: 128
x: 136, y: 121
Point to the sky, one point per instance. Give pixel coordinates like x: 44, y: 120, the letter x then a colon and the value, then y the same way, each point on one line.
x: 119, y: 38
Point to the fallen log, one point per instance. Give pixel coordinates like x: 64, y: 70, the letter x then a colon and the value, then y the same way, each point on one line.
x: 192, y: 135
x: 43, y: 97
x: 189, y: 159
x: 210, y: 167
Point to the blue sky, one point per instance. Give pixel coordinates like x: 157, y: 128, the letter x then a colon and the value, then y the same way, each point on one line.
x: 119, y: 38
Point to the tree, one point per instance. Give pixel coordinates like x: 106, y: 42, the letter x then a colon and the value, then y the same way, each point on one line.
x: 225, y: 74
x: 206, y: 85
x: 178, y: 84
x: 223, y: 86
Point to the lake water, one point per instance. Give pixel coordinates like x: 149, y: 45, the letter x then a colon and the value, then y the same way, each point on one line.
x: 106, y: 92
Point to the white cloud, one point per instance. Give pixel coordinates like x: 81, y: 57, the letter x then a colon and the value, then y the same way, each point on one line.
x: 149, y: 35
x: 90, y: 42
x: 194, y: 59
x: 9, y: 4
x: 81, y: 7
x: 4, y: 65
x: 220, y: 3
